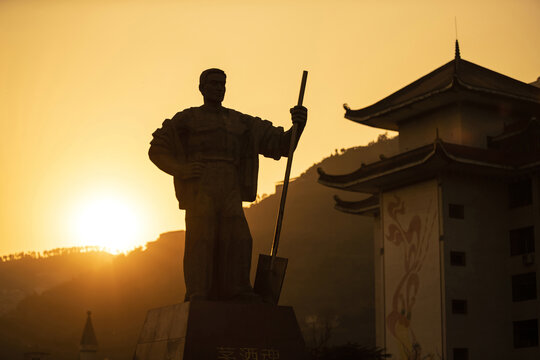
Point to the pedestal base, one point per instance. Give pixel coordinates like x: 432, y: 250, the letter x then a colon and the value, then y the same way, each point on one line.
x: 208, y: 330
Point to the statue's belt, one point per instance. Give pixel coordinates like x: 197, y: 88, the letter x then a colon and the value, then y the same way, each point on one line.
x: 212, y: 158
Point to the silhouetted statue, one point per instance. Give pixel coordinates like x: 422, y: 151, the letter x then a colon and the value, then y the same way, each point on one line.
x: 212, y: 153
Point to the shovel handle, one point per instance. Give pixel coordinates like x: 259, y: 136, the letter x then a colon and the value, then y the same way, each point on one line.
x: 302, y: 89
x: 294, y: 131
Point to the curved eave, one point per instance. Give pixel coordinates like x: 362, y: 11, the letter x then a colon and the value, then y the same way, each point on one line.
x: 366, y: 207
x: 371, y: 172
x: 505, y: 94
x: 409, y: 167
x: 370, y: 116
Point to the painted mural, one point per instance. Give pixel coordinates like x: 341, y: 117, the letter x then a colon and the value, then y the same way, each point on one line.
x: 412, y: 272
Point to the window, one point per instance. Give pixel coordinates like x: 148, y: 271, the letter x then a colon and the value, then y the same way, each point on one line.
x: 522, y: 241
x: 457, y: 258
x: 524, y: 286
x: 526, y: 333
x: 459, y: 306
x: 456, y: 211
x: 461, y: 354
x: 520, y: 193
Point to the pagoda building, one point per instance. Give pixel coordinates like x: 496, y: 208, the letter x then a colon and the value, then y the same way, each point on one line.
x: 88, y: 347
x: 456, y: 215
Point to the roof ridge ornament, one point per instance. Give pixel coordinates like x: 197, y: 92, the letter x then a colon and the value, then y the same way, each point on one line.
x: 456, y: 62
x: 458, y: 55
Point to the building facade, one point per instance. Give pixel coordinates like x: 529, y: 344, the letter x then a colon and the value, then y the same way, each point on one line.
x: 456, y: 215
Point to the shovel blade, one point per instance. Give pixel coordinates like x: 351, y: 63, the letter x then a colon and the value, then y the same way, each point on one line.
x: 268, y: 281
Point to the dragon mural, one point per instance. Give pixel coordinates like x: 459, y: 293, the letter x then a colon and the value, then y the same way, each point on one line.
x: 411, y: 234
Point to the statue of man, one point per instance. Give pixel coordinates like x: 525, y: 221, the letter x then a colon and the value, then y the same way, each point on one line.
x: 212, y: 153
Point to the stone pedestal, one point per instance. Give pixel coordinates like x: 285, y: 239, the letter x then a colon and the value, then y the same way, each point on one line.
x: 208, y: 330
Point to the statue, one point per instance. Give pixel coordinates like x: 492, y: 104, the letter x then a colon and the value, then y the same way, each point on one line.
x: 212, y: 153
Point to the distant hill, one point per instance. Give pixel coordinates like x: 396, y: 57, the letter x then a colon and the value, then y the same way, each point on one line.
x: 26, y: 274
x: 329, y: 279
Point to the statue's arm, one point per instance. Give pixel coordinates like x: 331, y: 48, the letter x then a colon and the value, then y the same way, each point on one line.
x: 164, y: 152
x: 168, y: 163
x: 273, y: 141
x: 285, y: 141
x: 164, y: 160
x: 299, y: 118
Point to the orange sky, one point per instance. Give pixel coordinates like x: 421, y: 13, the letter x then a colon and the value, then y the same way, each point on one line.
x: 84, y: 83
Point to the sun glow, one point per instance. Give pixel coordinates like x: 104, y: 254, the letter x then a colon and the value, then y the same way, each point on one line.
x: 108, y: 222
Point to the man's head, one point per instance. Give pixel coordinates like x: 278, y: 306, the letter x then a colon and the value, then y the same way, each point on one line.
x: 212, y: 85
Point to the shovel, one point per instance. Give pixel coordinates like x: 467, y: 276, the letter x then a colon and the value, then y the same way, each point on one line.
x: 271, y: 269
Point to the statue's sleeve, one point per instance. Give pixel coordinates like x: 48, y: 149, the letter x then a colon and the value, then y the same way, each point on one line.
x: 168, y: 137
x: 270, y: 141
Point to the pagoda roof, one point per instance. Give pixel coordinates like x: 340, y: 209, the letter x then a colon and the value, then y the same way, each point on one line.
x: 426, y: 162
x: 88, y: 340
x: 457, y: 80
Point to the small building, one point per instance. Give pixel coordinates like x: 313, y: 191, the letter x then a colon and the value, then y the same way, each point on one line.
x: 456, y: 215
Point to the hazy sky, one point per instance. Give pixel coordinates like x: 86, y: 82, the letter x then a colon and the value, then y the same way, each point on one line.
x: 83, y: 84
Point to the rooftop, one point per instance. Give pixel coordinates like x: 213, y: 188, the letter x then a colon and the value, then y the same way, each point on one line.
x: 457, y: 80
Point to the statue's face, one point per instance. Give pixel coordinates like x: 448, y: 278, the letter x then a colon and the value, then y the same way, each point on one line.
x: 213, y: 89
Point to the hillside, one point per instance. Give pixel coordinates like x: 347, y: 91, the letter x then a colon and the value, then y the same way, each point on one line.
x: 23, y: 274
x: 329, y: 279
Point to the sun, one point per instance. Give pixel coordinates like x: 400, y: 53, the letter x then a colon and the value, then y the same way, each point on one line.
x: 108, y: 222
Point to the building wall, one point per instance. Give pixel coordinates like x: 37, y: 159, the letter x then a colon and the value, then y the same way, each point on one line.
x: 426, y: 315
x: 484, y: 282
x: 423, y: 129
x: 478, y: 123
x: 519, y: 217
x: 378, y: 257
x: 410, y: 227
x: 462, y: 124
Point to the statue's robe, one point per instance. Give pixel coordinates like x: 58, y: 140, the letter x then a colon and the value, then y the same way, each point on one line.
x: 217, y: 256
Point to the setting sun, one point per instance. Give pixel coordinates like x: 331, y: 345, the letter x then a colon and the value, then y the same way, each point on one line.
x: 108, y: 222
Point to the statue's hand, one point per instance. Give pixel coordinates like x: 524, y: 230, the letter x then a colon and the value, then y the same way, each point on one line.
x: 299, y: 115
x: 190, y: 170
